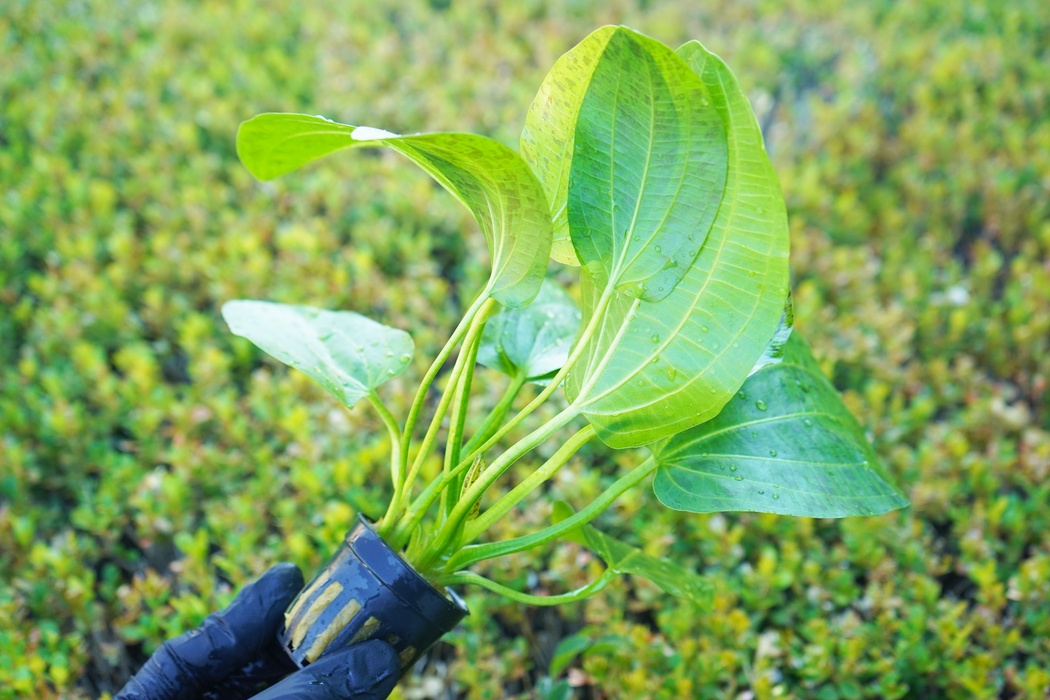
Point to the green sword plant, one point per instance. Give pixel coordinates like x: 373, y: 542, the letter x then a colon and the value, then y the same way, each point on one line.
x: 646, y: 168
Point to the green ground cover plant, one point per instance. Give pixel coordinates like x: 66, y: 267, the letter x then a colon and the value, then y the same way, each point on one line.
x: 151, y: 462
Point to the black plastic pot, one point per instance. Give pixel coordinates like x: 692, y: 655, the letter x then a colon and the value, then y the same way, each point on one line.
x: 367, y: 591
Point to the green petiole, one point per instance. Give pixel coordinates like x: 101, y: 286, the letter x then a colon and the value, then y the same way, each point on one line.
x: 475, y: 553
x: 531, y: 482
x: 405, y: 484
x: 579, y: 594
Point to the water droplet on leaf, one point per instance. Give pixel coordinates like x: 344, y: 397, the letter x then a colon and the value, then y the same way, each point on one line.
x: 761, y: 405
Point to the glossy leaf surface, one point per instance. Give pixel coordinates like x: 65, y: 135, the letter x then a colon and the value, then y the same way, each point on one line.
x: 488, y: 178
x: 625, y: 559
x: 786, y: 444
x: 535, y: 339
x: 774, y: 351
x: 648, y: 168
x: 349, y: 354
x: 550, y: 132
x: 656, y: 369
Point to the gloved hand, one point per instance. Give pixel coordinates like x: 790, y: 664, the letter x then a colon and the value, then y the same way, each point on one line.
x: 235, y: 653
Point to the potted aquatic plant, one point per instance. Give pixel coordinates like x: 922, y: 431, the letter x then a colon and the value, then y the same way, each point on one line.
x: 644, y: 167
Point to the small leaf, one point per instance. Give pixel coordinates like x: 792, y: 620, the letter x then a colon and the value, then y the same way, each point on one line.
x: 567, y: 650
x: 656, y: 369
x: 547, y: 689
x: 583, y: 642
x: 488, y: 178
x: 649, y: 168
x: 535, y: 339
x: 550, y: 132
x: 786, y: 444
x: 349, y: 354
x: 625, y: 559
x: 774, y: 351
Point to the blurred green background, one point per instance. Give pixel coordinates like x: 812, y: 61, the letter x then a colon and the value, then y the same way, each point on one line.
x: 151, y: 463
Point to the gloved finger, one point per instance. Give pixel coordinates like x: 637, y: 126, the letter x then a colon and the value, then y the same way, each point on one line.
x: 272, y: 664
x: 224, y: 643
x: 366, y: 671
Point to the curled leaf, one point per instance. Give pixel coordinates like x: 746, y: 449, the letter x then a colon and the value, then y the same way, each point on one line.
x: 488, y: 178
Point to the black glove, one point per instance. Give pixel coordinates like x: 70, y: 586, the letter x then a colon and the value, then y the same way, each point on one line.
x: 235, y: 653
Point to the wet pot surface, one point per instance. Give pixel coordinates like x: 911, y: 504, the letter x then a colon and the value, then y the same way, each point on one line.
x: 366, y: 591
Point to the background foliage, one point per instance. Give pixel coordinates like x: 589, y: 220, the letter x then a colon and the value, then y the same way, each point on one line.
x: 151, y: 462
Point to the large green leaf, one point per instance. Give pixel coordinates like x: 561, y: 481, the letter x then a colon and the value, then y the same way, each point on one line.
x: 550, y: 132
x: 786, y: 444
x: 488, y: 178
x: 534, y: 340
x: 649, y: 168
x: 349, y: 354
x: 656, y: 369
x: 625, y: 559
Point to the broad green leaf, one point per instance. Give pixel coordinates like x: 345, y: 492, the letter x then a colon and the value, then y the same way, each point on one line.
x: 488, y: 178
x: 786, y: 444
x: 550, y: 132
x: 534, y: 340
x: 649, y: 168
x: 349, y: 354
x: 625, y: 559
x: 774, y: 351
x: 656, y: 369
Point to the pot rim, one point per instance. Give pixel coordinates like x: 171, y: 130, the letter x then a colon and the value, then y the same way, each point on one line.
x: 449, y: 599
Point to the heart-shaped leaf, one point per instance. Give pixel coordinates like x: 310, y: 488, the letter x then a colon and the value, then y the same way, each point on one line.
x: 349, y: 354
x: 786, y: 444
x: 648, y: 168
x: 488, y: 178
x: 550, y: 132
x: 623, y: 558
x: 656, y: 369
x: 534, y: 340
